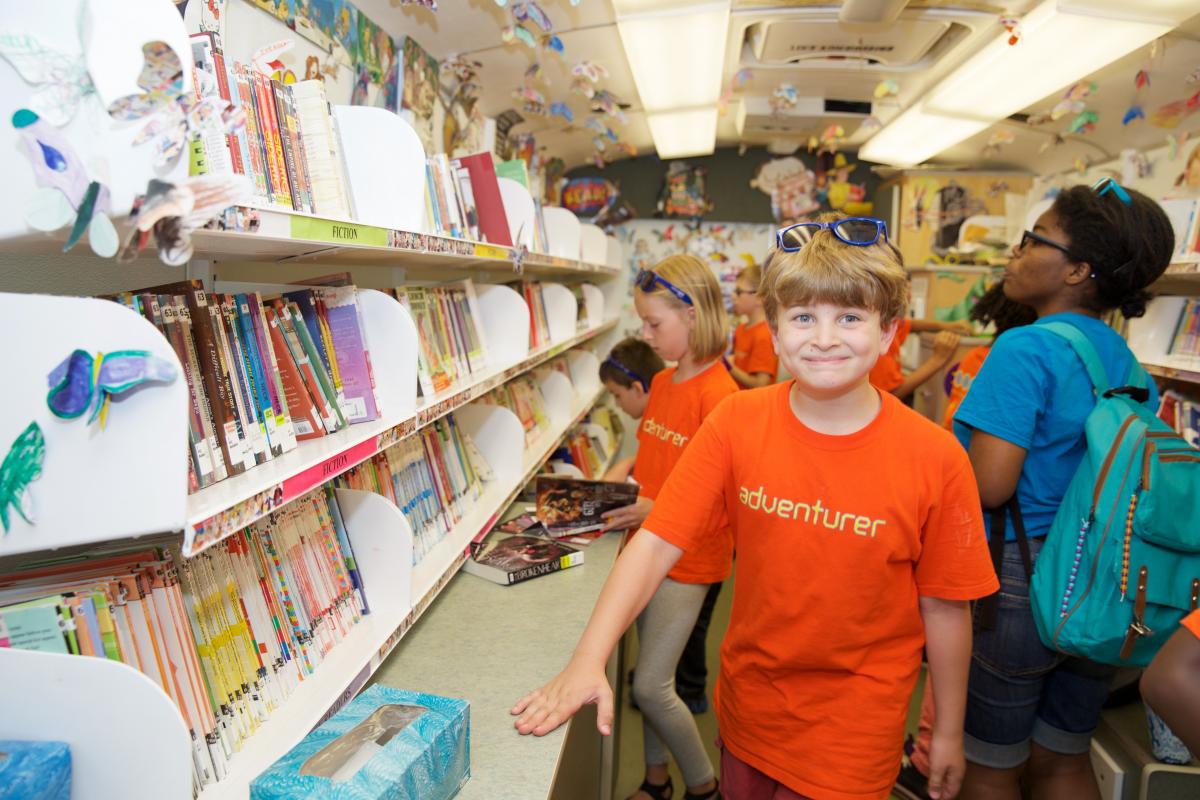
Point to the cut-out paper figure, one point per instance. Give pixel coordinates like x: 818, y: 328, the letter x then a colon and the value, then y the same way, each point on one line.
x: 791, y: 186
x: 169, y: 213
x: 83, y: 383
x: 22, y: 465
x: 60, y: 81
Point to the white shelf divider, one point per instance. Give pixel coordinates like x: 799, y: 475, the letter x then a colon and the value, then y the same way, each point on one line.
x: 615, y: 253
x: 382, y: 542
x: 561, y: 311
x: 520, y: 210
x: 562, y: 229
x: 127, y: 738
x: 593, y: 304
x: 505, y: 323
x: 385, y: 167
x: 593, y: 244
x: 585, y: 371
x: 124, y: 480
x: 559, y: 394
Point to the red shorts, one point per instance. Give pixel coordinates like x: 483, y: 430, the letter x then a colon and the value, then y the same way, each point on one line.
x: 740, y: 781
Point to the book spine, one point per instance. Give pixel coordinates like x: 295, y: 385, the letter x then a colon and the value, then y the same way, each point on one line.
x: 256, y: 372
x: 265, y: 97
x: 212, y: 373
x: 207, y: 450
x: 253, y: 133
x: 197, y: 477
x: 245, y: 450
x: 287, y: 146
x: 274, y: 382
x: 303, y: 414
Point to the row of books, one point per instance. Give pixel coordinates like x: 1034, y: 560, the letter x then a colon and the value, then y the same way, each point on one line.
x: 1186, y: 338
x: 449, y: 331
x: 590, y: 446
x: 263, y: 372
x: 1182, y: 413
x: 1184, y: 213
x: 227, y: 635
x: 523, y: 397
x: 539, y: 322
x: 433, y: 478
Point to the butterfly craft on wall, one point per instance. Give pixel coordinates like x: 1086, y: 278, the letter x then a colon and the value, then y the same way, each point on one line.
x: 81, y: 383
x: 22, y: 465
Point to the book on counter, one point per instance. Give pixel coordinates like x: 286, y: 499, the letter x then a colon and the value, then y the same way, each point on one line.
x: 567, y: 506
x: 507, y: 558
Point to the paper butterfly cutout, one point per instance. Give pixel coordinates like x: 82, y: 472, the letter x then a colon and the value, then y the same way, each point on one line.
x: 1133, y: 113
x: 187, y: 117
x: 61, y: 81
x: 607, y: 102
x: 81, y: 383
x: 65, y: 195
x: 886, y: 88
x: 170, y: 213
x: 589, y: 71
x: 1084, y: 123
x: 562, y: 110
x: 22, y: 465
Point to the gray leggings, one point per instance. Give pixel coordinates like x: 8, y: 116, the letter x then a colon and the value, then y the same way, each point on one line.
x: 663, y: 630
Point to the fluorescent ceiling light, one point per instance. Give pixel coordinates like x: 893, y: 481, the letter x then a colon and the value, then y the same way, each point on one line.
x: 1061, y: 43
x: 676, y: 55
x: 689, y: 132
x: 915, y: 136
x: 1056, y: 50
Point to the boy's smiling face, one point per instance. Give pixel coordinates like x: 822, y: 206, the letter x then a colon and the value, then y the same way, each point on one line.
x: 830, y: 349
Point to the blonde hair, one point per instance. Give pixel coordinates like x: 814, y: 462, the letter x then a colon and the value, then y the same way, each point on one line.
x: 692, y: 276
x: 752, y: 275
x: 827, y: 270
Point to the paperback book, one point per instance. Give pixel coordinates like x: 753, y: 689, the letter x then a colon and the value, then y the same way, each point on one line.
x: 506, y: 558
x: 567, y: 506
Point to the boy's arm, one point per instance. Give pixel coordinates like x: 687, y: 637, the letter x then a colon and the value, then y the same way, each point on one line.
x: 750, y: 380
x: 1171, y: 686
x: 948, y: 651
x: 944, y: 345
x: 933, y: 326
x: 621, y: 470
x: 635, y: 578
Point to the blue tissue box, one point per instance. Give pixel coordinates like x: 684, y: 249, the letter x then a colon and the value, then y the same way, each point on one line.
x: 35, y: 770
x: 386, y: 744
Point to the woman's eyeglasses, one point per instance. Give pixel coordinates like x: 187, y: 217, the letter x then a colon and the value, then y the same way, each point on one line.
x: 857, y: 231
x: 647, y: 279
x: 1108, y: 185
x: 1030, y: 236
x: 633, y: 376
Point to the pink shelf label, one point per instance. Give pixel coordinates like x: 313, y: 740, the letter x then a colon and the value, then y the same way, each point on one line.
x: 317, y: 474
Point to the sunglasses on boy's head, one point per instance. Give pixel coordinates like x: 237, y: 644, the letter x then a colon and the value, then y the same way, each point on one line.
x: 633, y: 376
x: 857, y: 231
x: 647, y: 279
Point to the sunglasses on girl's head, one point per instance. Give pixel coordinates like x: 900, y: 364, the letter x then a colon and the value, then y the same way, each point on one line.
x: 857, y: 231
x: 633, y: 376
x: 647, y: 278
x: 1109, y: 186
x: 1030, y: 236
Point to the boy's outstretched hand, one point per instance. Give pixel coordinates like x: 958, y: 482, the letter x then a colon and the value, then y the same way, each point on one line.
x: 946, y: 767
x: 544, y: 709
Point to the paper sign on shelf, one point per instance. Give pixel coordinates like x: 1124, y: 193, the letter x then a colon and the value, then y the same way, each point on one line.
x: 319, y: 473
x: 491, y: 251
x: 264, y: 56
x: 335, y: 232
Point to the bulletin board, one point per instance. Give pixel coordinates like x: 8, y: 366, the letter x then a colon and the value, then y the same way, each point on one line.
x: 933, y: 206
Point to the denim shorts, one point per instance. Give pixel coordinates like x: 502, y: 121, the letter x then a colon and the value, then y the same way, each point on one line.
x: 1021, y: 691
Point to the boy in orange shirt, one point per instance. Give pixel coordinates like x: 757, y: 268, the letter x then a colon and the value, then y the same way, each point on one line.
x: 626, y: 373
x: 1171, y: 684
x: 840, y: 580
x: 754, y: 361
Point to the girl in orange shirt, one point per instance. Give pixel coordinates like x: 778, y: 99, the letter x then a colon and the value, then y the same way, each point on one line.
x: 683, y: 319
x: 754, y: 361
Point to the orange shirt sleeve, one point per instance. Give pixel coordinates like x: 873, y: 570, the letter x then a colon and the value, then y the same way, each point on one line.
x: 693, y: 495
x: 955, y: 563
x: 1192, y: 623
x: 761, y: 357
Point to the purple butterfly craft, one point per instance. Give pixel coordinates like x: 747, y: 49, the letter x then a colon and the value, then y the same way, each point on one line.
x: 81, y: 383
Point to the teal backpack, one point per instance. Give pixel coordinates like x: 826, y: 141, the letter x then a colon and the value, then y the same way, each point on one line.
x: 1121, y: 564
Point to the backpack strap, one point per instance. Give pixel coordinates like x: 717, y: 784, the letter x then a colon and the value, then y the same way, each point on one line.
x: 1086, y: 352
x: 996, y: 542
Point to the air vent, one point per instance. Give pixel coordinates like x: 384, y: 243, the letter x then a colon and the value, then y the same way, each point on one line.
x: 901, y: 44
x: 847, y: 107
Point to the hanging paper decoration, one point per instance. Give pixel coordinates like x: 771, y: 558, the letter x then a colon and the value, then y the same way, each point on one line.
x: 1052, y: 142
x: 534, y: 73
x: 1174, y: 143
x: 533, y: 100
x: 81, y: 383
x: 1170, y: 115
x: 563, y: 111
x: 589, y: 71
x: 870, y: 124
x: 169, y: 213
x: 886, y: 88
x: 1084, y: 123
x: 1073, y: 101
x: 1142, y: 79
x: 685, y: 192
x: 1194, y: 77
x: 1038, y: 118
x: 1190, y: 177
x: 602, y: 129
x: 1134, y: 166
x: 22, y: 465
x: 531, y: 26
x: 831, y: 138
x: 1013, y: 26
x: 60, y: 81
x: 1081, y: 165
x: 1132, y: 114
x: 784, y: 97
x: 66, y: 195
x: 999, y: 138
x: 606, y: 102
x: 616, y: 211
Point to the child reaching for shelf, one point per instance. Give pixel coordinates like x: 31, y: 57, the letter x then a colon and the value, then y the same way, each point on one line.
x: 683, y: 320
x: 839, y: 584
x: 887, y: 373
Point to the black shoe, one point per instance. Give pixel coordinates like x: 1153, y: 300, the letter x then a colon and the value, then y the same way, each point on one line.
x: 910, y: 783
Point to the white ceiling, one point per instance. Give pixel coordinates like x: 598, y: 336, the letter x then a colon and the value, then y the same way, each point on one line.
x: 588, y: 30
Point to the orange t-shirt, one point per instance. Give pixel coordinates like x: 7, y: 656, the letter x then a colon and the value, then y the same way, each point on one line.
x: 673, y: 414
x: 752, y: 349
x: 964, y: 373
x: 1192, y: 623
x: 836, y: 538
x: 886, y: 374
